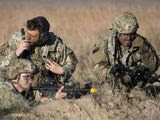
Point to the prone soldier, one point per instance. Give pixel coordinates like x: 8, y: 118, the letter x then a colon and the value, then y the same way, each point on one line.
x: 16, y: 93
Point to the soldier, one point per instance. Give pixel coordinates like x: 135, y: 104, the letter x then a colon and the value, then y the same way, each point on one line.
x: 15, y: 90
x: 55, y: 61
x: 19, y: 76
x: 123, y: 45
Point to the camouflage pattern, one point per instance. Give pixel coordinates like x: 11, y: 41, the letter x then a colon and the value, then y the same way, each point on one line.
x: 103, y: 54
x: 10, y: 99
x: 19, y: 66
x: 3, y: 74
x: 125, y: 23
x: 53, y: 49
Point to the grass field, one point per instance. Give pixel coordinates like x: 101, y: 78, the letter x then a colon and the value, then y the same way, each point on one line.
x: 80, y: 24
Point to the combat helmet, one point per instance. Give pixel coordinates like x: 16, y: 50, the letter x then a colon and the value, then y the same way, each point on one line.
x: 125, y: 23
x: 18, y: 66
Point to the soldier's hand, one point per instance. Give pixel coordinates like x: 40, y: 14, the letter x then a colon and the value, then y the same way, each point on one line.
x: 39, y: 97
x: 60, y: 94
x: 23, y: 45
x: 54, y: 67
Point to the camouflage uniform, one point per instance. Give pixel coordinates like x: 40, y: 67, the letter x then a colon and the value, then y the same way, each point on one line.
x: 52, y: 48
x: 109, y: 52
x: 10, y: 98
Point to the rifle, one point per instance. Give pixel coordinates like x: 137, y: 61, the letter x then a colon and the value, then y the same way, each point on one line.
x: 138, y: 75
x: 73, y: 91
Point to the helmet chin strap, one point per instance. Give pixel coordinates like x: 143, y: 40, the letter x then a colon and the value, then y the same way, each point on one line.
x: 18, y: 78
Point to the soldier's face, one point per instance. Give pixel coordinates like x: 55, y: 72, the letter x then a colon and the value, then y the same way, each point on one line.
x: 33, y: 36
x: 125, y: 39
x: 25, y: 80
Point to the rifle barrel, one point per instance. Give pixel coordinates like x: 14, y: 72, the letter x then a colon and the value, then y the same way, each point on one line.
x: 91, y: 90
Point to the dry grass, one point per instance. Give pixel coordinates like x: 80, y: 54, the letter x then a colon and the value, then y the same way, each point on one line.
x: 79, y: 26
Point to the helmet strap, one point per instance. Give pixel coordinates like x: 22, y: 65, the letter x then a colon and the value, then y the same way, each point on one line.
x: 117, y: 50
x: 18, y: 78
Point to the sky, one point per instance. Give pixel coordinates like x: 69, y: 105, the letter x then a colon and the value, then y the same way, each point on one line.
x: 81, y: 3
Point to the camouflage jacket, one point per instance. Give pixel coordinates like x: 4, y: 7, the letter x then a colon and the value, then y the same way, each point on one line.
x: 107, y: 53
x: 10, y: 99
x: 53, y: 49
